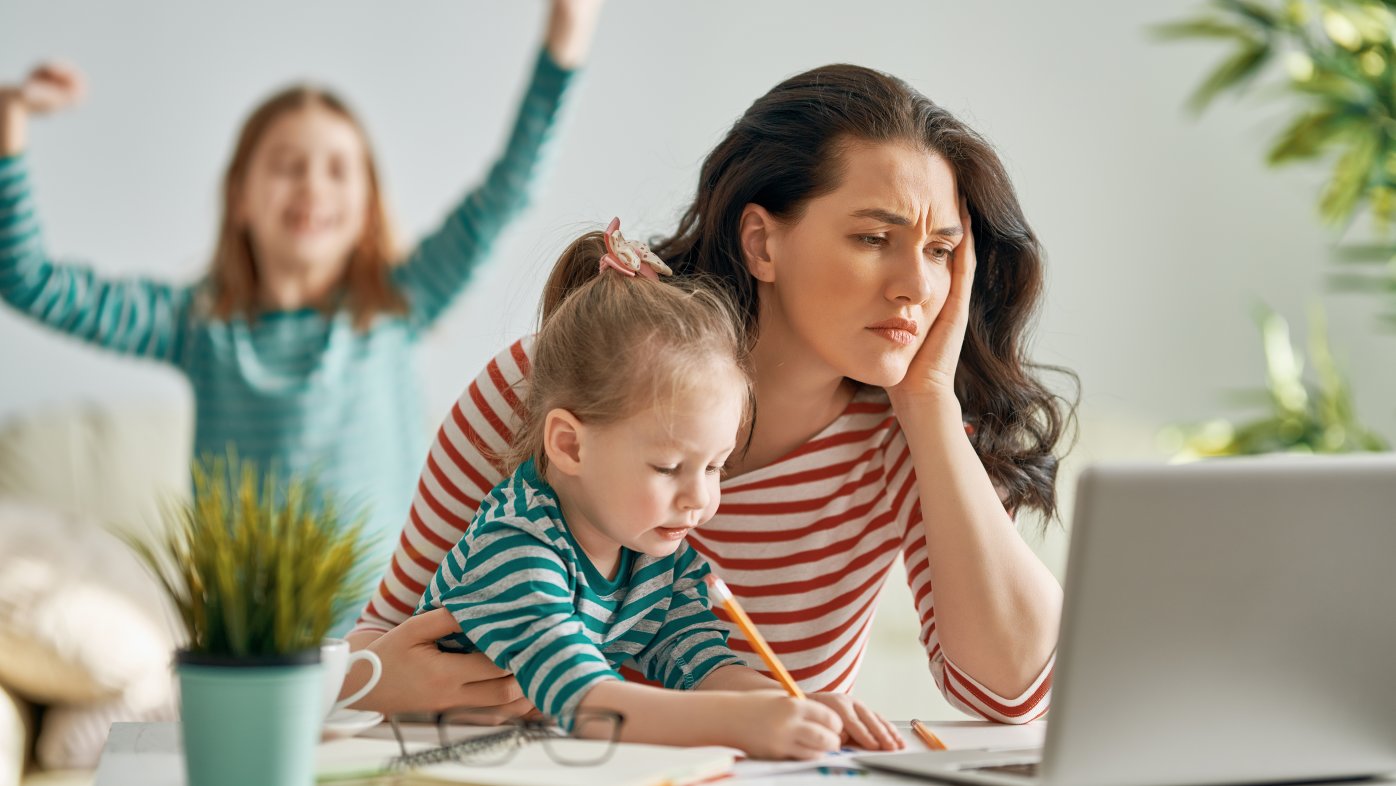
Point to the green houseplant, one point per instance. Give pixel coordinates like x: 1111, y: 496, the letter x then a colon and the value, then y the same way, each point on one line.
x: 1336, y: 61
x: 1339, y: 66
x: 258, y: 568
x: 1304, y: 415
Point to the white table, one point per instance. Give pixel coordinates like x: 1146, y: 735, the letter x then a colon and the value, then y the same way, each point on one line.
x: 149, y: 754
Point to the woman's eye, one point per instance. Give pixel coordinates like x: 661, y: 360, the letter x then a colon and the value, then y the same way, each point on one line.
x: 875, y: 241
x: 720, y: 469
x: 940, y: 253
x: 664, y: 470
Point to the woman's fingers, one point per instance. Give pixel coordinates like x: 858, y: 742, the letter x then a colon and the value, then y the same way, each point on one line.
x: 493, y: 693
x: 417, y: 676
x: 428, y: 627
x: 963, y: 263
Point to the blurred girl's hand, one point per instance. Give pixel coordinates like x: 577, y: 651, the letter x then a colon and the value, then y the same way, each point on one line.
x: 51, y: 87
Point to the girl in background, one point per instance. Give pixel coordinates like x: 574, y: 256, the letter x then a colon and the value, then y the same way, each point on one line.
x: 577, y: 562
x: 298, y: 341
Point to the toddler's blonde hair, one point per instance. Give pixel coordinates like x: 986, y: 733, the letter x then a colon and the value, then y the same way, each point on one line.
x: 611, y: 345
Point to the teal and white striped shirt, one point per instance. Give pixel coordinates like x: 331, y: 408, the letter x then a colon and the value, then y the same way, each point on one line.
x: 527, y: 596
x: 296, y: 390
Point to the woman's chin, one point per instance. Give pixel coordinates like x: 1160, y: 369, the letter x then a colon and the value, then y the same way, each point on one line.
x: 883, y: 375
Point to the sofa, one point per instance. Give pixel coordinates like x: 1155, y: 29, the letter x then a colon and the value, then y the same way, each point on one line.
x: 85, y: 633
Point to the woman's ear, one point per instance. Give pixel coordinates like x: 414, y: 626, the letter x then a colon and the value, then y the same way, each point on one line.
x: 756, y: 230
x: 562, y: 441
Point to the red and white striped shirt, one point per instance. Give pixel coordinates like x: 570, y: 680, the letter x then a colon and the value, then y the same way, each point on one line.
x: 805, y: 543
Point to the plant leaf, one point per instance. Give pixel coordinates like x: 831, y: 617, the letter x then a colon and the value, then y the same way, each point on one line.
x: 1350, y: 177
x: 1202, y: 27
x: 1231, y: 74
x: 1308, y: 135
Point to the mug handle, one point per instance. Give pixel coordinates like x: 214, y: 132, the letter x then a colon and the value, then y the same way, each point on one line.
x: 372, y: 658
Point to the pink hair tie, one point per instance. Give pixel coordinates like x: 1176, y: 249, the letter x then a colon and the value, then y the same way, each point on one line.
x: 630, y: 256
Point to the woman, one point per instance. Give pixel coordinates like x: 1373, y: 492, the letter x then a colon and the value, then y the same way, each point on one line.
x: 895, y: 407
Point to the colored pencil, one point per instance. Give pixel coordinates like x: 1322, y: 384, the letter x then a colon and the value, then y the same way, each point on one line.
x: 724, y: 596
x: 927, y: 736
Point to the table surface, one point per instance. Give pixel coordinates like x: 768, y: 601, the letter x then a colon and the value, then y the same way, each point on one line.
x: 149, y: 754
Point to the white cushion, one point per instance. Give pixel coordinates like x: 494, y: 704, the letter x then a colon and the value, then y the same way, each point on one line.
x: 83, y: 627
x: 72, y: 737
x: 16, y: 728
x: 113, y: 464
x: 80, y: 618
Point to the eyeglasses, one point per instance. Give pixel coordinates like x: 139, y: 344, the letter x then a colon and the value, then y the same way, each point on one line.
x: 481, y: 737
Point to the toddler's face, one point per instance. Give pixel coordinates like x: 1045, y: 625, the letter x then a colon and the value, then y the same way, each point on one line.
x: 652, y: 478
x: 306, y: 194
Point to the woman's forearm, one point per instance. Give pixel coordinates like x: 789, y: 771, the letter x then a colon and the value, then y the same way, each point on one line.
x: 996, y: 605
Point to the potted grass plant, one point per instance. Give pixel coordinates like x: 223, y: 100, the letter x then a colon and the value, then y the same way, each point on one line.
x: 258, y: 568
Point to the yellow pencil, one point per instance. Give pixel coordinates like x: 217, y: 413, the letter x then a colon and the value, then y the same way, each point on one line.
x: 724, y: 595
x: 927, y: 736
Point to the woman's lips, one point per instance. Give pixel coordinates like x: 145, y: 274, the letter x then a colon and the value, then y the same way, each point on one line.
x: 898, y: 331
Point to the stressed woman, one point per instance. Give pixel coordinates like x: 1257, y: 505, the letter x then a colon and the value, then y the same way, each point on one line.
x: 887, y: 277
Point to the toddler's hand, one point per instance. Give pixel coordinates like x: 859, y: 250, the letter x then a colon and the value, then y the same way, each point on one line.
x: 861, y: 726
x: 773, y: 725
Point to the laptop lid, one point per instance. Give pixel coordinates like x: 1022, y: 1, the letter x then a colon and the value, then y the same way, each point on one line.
x: 1228, y: 621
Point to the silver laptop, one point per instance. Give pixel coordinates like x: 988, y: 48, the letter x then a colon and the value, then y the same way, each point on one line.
x: 1228, y: 621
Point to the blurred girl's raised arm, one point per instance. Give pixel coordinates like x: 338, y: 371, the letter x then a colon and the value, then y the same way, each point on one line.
x: 443, y: 263
x: 132, y: 316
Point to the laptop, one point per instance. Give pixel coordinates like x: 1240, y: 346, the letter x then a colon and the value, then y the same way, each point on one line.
x: 1227, y: 621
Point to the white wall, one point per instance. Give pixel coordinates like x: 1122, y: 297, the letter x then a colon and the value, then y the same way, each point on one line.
x: 1162, y: 230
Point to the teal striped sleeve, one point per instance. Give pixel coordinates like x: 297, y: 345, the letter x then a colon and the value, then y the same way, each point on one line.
x: 132, y: 316
x: 438, y: 270
x: 510, y: 592
x: 692, y: 642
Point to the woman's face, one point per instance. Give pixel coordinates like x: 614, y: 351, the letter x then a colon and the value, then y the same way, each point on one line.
x: 858, y: 279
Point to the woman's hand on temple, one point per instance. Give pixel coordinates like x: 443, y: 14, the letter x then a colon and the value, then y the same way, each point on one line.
x: 932, y: 371
x: 418, y: 677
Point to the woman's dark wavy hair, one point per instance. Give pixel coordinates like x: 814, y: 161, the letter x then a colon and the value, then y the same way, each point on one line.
x: 787, y: 149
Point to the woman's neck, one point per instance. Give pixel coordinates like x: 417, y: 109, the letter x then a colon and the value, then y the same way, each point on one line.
x: 797, y: 396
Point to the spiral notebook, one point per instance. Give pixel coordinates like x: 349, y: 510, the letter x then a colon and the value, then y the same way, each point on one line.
x: 361, y: 760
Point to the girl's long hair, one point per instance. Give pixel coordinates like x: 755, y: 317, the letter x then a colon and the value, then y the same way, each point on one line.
x: 233, y: 280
